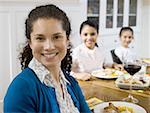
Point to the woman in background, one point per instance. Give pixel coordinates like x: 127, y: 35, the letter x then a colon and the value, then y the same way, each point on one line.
x: 45, y: 85
x: 124, y: 52
x: 89, y: 56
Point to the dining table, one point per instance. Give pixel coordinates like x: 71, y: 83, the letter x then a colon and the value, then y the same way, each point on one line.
x: 106, y: 90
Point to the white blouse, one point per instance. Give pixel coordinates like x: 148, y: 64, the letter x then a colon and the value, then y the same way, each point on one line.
x: 65, y: 102
x: 125, y: 54
x: 87, y: 60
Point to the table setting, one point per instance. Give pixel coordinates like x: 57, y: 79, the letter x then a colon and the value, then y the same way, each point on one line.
x: 131, y: 95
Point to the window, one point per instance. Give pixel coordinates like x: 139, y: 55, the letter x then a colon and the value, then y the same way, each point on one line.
x: 109, y: 14
x: 93, y: 10
x: 120, y: 12
x: 132, y: 12
x: 114, y: 13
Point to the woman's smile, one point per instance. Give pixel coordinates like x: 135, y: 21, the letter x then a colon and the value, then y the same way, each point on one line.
x: 50, y: 55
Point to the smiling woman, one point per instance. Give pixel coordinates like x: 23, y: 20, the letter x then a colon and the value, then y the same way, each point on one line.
x: 48, y: 42
x: 45, y: 85
x: 89, y: 56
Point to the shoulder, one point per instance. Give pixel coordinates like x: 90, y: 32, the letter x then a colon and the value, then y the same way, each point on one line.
x: 25, y: 80
x: 120, y: 50
x: 21, y: 93
x: 76, y: 52
x: 27, y: 75
x: 78, y: 48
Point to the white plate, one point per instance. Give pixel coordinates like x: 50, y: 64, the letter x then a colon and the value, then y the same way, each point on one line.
x: 134, y: 86
x: 103, y: 75
x: 136, y: 108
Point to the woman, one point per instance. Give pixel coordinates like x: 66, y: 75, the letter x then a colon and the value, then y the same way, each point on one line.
x: 124, y: 52
x: 89, y: 56
x: 44, y: 85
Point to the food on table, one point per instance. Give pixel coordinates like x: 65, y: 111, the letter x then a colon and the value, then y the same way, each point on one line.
x: 148, y: 69
x: 137, y: 82
x: 146, y: 60
x: 113, y: 72
x: 147, y: 74
x: 111, y: 108
x: 140, y: 81
x: 108, y: 72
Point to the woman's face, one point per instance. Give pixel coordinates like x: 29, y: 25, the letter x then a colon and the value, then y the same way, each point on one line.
x: 126, y: 38
x: 48, y: 42
x: 89, y: 36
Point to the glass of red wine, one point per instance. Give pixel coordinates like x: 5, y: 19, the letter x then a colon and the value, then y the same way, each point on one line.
x: 131, y: 68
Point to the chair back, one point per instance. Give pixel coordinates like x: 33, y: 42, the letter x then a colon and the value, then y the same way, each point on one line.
x: 116, y: 59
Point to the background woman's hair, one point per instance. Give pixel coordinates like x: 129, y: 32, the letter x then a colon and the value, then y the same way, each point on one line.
x: 126, y: 29
x: 92, y: 24
x: 46, y: 12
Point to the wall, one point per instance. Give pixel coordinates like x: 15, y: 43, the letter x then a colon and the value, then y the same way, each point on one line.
x: 145, y: 29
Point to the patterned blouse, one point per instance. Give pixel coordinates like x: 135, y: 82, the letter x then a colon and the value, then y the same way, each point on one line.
x: 65, y: 102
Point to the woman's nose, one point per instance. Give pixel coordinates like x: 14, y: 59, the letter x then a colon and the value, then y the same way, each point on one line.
x: 49, y: 45
x: 128, y: 39
x: 89, y: 36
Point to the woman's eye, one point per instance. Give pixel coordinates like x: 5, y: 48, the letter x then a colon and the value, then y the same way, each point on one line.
x: 39, y: 38
x: 130, y: 37
x: 85, y: 34
x: 92, y: 34
x: 58, y: 37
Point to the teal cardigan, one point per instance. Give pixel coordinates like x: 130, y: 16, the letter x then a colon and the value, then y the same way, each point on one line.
x: 27, y: 94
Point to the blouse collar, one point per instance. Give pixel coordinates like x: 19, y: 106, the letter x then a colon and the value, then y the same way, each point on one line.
x: 43, y: 73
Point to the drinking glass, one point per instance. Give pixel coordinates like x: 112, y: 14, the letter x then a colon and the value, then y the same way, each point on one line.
x: 132, y: 68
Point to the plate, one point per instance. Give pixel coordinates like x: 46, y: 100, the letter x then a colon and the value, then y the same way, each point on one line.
x: 136, y: 108
x: 124, y: 85
x: 146, y: 60
x: 107, y: 73
x: 92, y: 102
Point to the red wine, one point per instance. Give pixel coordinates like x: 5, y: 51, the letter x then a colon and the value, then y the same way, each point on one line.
x: 131, y: 68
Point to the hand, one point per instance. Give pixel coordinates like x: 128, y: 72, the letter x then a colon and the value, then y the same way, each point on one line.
x: 82, y: 76
x: 119, y: 67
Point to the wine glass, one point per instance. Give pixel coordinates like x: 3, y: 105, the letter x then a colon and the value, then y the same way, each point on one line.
x: 132, y: 68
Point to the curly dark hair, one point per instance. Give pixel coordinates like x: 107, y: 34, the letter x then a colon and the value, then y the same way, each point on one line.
x: 46, y: 11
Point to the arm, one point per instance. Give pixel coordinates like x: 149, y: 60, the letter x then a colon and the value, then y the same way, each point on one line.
x: 76, y: 73
x: 118, y: 66
x: 108, y: 61
x: 81, y: 76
